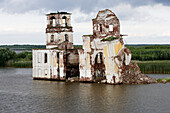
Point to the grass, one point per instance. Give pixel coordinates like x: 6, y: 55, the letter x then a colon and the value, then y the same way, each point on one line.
x: 161, y: 80
x: 109, y: 38
x: 78, y: 46
x: 22, y: 64
x: 154, y: 67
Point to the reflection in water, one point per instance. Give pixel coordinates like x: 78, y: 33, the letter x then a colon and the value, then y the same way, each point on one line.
x: 19, y: 93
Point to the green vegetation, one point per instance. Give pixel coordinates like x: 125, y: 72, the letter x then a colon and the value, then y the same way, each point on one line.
x: 150, y: 52
x: 164, y: 79
x: 150, y: 58
x: 22, y: 60
x: 78, y: 46
x: 10, y: 59
x: 154, y: 67
x: 22, y: 64
x: 109, y: 38
x: 5, y: 55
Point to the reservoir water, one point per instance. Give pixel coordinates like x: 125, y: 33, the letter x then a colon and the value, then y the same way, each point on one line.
x: 20, y: 94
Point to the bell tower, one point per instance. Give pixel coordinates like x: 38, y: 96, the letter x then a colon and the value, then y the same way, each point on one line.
x: 59, y: 33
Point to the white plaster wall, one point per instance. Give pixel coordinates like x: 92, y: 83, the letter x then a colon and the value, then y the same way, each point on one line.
x: 97, y: 44
x: 86, y: 43
x: 61, y: 65
x: 54, y: 65
x: 112, y: 63
x: 41, y: 65
x: 85, y: 71
x: 48, y: 67
x: 81, y: 64
x: 88, y: 74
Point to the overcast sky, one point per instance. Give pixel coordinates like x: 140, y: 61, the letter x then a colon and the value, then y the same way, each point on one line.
x: 144, y: 21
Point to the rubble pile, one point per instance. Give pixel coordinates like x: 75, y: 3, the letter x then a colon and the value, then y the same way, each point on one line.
x: 132, y: 75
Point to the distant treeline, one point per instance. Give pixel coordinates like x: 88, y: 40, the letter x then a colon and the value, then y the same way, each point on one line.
x: 139, y: 52
x: 150, y: 52
x: 156, y: 53
x: 23, y: 47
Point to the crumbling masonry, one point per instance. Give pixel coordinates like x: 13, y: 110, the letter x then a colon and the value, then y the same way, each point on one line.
x: 103, y: 57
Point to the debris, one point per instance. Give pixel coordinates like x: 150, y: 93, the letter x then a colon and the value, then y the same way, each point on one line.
x: 132, y: 75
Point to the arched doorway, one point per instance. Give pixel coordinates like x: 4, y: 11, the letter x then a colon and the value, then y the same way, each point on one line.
x: 99, y: 67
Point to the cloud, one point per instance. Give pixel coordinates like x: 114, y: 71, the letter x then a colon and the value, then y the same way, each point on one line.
x: 144, y: 23
x: 149, y: 19
x: 23, y: 38
x: 23, y: 28
x: 164, y: 2
x: 28, y: 22
x: 21, y: 6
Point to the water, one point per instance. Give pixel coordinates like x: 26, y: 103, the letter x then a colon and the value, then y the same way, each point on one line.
x: 157, y: 76
x: 20, y: 94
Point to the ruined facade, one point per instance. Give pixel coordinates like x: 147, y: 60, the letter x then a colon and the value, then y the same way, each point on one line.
x: 104, y: 54
x: 56, y: 62
x: 102, y: 57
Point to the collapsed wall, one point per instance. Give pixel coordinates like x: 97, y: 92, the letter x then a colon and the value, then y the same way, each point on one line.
x: 131, y: 74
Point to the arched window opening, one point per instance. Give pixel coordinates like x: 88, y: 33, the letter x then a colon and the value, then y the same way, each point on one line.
x: 52, y: 38
x: 66, y: 37
x: 99, y: 67
x: 52, y: 21
x: 99, y: 58
x: 64, y: 19
x: 110, y: 27
x: 100, y: 27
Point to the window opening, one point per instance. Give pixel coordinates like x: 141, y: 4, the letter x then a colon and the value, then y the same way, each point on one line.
x: 52, y: 38
x: 100, y: 27
x: 110, y: 27
x: 64, y: 20
x: 53, y: 23
x: 66, y: 37
x: 45, y: 58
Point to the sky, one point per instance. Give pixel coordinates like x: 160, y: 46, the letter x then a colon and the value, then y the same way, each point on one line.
x: 144, y: 21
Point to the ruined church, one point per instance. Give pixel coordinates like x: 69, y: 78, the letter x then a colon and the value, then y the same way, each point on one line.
x: 102, y: 56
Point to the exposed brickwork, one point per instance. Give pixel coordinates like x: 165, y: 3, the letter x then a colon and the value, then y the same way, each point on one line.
x: 101, y: 24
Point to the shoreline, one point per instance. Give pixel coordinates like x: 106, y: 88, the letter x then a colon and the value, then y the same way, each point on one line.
x: 159, y: 80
